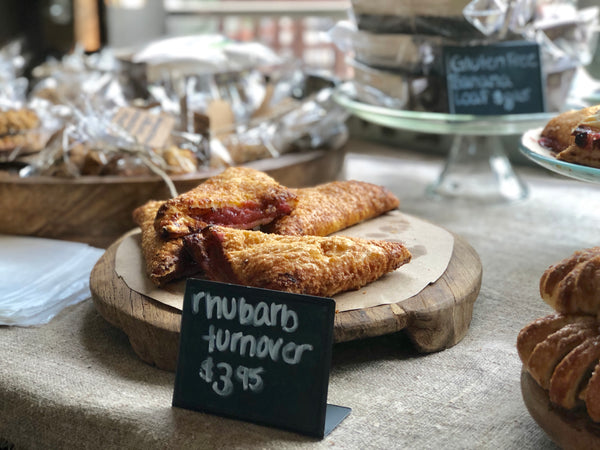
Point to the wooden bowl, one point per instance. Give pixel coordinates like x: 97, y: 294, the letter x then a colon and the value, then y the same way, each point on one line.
x: 570, y: 430
x: 97, y: 210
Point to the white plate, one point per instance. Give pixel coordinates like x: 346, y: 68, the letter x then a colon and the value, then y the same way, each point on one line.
x: 531, y: 148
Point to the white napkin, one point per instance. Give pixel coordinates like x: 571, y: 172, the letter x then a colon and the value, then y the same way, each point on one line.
x: 39, y: 277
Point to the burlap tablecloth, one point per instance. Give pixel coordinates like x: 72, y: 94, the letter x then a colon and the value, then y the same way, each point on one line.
x: 76, y: 383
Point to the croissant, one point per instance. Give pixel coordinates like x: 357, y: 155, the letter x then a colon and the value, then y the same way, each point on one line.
x: 331, y: 207
x: 166, y: 260
x: 239, y: 197
x: 572, y: 286
x: 314, y: 265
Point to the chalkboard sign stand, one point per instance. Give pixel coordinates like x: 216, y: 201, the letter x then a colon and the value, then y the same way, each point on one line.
x: 257, y: 355
x: 334, y: 416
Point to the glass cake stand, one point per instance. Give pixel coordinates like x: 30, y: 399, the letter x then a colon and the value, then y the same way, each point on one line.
x: 477, y: 167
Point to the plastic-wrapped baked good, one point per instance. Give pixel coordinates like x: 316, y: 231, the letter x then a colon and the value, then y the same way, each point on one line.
x: 407, y: 91
x: 437, y: 17
x: 15, y: 121
x: 406, y: 38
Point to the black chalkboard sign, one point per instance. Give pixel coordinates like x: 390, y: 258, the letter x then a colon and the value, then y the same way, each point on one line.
x: 257, y: 355
x: 498, y: 79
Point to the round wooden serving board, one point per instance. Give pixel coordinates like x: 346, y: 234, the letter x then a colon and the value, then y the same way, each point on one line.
x: 571, y: 430
x: 436, y: 318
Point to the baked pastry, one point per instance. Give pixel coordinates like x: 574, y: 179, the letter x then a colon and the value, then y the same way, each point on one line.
x: 16, y: 121
x: 239, y: 197
x: 561, y: 351
x: 556, y: 135
x: 575, y: 136
x: 548, y: 353
x: 331, y: 207
x: 314, y: 265
x: 566, y: 362
x: 574, y: 369
x: 572, y: 286
x: 166, y: 260
x: 540, y: 329
x: 19, y: 130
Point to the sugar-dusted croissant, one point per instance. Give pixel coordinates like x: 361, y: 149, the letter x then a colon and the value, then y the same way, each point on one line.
x: 239, y: 197
x: 322, y: 266
x: 331, y: 207
x: 166, y: 260
x: 562, y: 353
x: 572, y: 286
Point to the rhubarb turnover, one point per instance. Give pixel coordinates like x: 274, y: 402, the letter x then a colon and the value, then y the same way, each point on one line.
x: 314, y: 265
x: 239, y: 197
x: 331, y: 207
x: 165, y: 260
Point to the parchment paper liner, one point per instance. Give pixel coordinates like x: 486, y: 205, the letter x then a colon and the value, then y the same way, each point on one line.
x: 430, y: 245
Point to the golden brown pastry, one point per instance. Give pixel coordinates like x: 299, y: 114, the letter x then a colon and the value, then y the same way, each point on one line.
x: 548, y: 353
x: 562, y: 351
x: 540, y: 329
x: 17, y: 120
x: 575, y: 136
x: 565, y: 362
x: 28, y: 142
x: 572, y: 286
x: 322, y: 266
x: 239, y: 197
x: 331, y: 207
x: 584, y: 156
x: 591, y: 395
x: 572, y: 371
x: 557, y: 134
x: 166, y: 260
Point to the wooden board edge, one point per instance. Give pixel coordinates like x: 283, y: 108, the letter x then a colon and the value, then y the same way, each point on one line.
x: 428, y: 331
x: 436, y: 328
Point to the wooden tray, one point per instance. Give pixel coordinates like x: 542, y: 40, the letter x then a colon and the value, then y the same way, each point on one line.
x: 436, y: 318
x: 571, y: 430
x: 97, y: 210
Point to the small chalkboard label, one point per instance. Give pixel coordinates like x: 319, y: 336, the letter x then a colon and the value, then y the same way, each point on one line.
x: 257, y: 355
x: 498, y: 79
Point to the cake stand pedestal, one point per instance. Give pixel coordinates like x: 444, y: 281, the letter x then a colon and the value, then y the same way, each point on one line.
x: 477, y: 167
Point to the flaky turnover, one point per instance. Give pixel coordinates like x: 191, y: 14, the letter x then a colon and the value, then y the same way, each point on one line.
x: 239, y: 197
x: 321, y: 266
x: 165, y: 260
x: 331, y: 207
